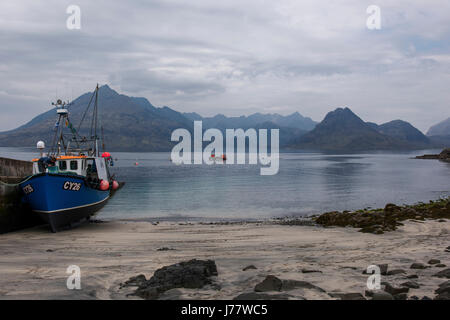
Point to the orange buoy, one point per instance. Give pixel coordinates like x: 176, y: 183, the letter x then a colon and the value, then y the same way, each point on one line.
x: 115, y: 185
x: 104, y: 185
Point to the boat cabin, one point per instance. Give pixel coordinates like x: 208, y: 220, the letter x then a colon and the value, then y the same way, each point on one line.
x: 91, y: 168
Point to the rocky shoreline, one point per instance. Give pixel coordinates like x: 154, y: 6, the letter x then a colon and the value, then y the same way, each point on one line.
x: 443, y: 156
x: 375, y: 221
x: 378, y: 221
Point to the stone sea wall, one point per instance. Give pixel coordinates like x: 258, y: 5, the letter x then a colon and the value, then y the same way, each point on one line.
x: 14, y: 169
x: 14, y: 214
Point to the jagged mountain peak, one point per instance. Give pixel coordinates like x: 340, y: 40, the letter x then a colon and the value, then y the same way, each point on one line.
x: 342, y: 130
x: 345, y: 118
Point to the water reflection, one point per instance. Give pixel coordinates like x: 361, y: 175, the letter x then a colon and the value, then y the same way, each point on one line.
x: 307, y: 183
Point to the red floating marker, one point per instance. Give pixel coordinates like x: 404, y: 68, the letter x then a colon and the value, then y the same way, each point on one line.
x: 104, y: 185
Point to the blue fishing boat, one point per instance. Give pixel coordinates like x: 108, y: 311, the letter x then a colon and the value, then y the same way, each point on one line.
x: 72, y: 181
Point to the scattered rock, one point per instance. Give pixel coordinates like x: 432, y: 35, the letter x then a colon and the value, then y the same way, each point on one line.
x: 414, y: 298
x: 50, y: 250
x: 443, y: 287
x: 382, y: 296
x: 369, y: 293
x: 375, y: 229
x: 310, y: 271
x: 134, y: 281
x: 443, y: 292
x: 411, y: 285
x: 149, y: 293
x: 390, y: 207
x: 445, y: 284
x: 443, y: 296
x: 418, y: 265
x: 434, y: 261
x: 270, y: 283
x: 426, y: 298
x: 296, y: 284
x: 412, y: 276
x: 188, y: 274
x: 401, y: 296
x: 347, y: 296
x: 443, y: 274
x: 250, y: 267
x: 264, y: 296
x: 393, y: 290
x: 395, y: 271
x: 165, y: 249
x: 440, y: 265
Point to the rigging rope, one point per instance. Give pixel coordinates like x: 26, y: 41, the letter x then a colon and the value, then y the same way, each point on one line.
x: 16, y: 184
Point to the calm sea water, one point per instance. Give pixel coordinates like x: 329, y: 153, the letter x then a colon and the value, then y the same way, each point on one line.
x: 307, y: 183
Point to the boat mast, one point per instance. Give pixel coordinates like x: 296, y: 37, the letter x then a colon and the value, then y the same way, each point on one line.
x: 59, y: 143
x: 58, y: 137
x: 95, y: 119
x: 94, y: 123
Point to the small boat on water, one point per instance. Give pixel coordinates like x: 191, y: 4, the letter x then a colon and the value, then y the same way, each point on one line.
x: 215, y: 158
x: 72, y: 182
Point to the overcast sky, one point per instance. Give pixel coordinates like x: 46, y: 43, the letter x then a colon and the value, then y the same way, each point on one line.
x: 231, y: 57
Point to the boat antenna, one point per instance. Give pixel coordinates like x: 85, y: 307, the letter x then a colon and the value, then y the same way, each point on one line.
x: 94, y: 122
x: 103, y: 140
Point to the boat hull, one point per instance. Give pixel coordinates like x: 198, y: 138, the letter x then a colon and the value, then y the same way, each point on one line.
x: 62, y: 200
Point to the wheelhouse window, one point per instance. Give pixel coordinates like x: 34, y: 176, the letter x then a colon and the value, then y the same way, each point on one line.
x: 91, y: 170
x: 62, y: 165
x: 74, y: 165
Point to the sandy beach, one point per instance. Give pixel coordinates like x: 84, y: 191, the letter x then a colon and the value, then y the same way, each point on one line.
x: 33, y: 262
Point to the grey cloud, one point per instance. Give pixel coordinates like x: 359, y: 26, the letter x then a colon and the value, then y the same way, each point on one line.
x: 135, y: 81
x: 232, y: 57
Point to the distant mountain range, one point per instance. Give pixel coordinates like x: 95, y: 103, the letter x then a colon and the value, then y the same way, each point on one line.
x: 295, y: 120
x: 134, y: 124
x: 291, y: 126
